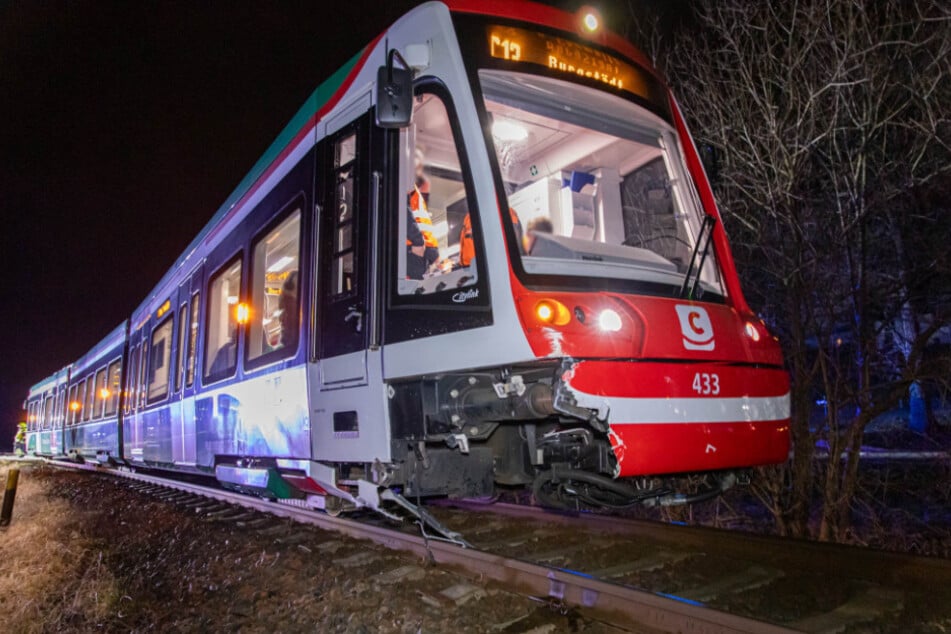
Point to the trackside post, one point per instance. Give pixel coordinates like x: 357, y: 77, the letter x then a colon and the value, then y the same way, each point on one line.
x: 8, y: 496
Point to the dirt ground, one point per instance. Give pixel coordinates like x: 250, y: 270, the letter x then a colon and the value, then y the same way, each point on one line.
x: 84, y: 553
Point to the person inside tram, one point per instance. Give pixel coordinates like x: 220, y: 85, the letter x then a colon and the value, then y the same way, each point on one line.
x: 227, y: 356
x: 541, y: 224
x: 422, y: 249
x: 290, y: 311
x: 467, y: 244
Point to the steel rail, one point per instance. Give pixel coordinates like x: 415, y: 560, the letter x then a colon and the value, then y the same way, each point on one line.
x: 840, y: 560
x: 613, y: 604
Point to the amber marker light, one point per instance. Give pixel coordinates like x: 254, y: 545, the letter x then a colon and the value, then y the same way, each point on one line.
x: 243, y: 313
x: 104, y: 393
x: 74, y: 406
x: 553, y: 312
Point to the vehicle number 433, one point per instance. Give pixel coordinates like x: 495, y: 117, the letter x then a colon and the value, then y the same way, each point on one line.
x: 706, y: 384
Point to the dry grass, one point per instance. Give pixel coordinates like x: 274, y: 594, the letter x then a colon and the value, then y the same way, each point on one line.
x: 51, y: 575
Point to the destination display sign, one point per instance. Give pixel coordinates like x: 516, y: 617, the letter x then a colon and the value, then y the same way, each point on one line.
x: 559, y: 55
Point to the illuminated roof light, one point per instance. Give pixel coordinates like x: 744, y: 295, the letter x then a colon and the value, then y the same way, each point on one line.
x: 609, y: 321
x: 509, y: 131
x: 590, y: 22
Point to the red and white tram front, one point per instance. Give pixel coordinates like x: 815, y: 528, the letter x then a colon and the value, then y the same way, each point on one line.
x: 619, y: 265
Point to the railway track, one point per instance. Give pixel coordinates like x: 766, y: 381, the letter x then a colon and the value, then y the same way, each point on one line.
x: 803, y: 585
x: 632, y: 574
x: 601, y: 600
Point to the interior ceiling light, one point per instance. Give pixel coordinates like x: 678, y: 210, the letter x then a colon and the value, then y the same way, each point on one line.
x: 509, y: 131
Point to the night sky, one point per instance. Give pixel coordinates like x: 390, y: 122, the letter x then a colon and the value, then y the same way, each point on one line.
x: 123, y: 127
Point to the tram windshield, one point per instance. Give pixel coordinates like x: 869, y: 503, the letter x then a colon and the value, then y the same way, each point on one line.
x: 596, y: 182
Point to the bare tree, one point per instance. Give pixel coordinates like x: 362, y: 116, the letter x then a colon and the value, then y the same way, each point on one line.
x: 830, y: 122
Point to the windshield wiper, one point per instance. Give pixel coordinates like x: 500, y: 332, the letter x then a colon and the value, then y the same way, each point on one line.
x: 688, y: 290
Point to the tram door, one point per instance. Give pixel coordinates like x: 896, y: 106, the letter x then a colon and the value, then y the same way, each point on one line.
x: 348, y: 419
x: 183, y: 404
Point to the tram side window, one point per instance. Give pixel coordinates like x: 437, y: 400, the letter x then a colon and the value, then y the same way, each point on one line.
x: 101, y: 392
x: 89, y: 405
x: 275, y: 312
x: 80, y: 398
x: 437, y: 240
x: 72, y: 406
x: 192, y: 342
x: 224, y: 305
x: 160, y: 360
x: 48, y: 413
x: 114, y: 387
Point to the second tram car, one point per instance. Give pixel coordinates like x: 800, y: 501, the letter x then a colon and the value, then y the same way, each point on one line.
x: 483, y: 253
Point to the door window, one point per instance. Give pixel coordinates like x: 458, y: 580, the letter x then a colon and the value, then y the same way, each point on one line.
x: 192, y: 342
x: 438, y: 240
x: 345, y: 165
x: 182, y: 331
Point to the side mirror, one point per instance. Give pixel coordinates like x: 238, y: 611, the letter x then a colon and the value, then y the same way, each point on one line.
x: 394, y: 93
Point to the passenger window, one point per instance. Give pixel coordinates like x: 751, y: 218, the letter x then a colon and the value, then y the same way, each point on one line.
x: 72, y: 406
x: 182, y: 330
x: 48, y: 413
x: 101, y: 393
x: 437, y: 237
x: 192, y: 342
x: 76, y: 404
x: 224, y: 305
x: 275, y: 312
x: 114, y: 386
x: 160, y: 361
x: 345, y: 164
x: 90, y: 403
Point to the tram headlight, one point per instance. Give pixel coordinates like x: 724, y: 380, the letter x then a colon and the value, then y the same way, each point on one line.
x: 609, y: 320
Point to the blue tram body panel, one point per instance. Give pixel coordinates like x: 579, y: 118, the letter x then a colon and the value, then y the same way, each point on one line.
x: 98, y: 433
x: 264, y: 417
